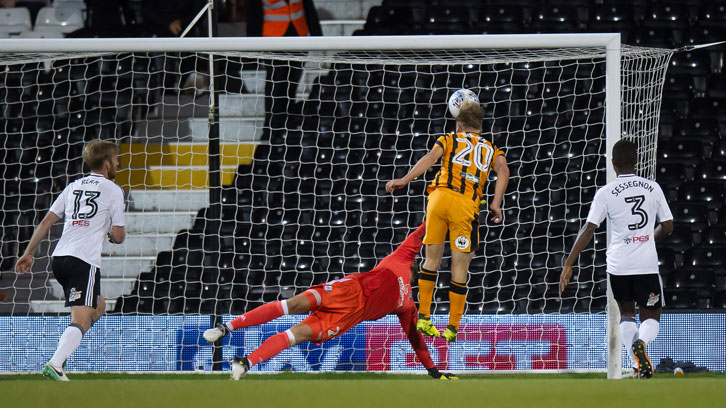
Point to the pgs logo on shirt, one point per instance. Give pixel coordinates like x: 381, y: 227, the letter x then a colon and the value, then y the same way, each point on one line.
x: 635, y: 240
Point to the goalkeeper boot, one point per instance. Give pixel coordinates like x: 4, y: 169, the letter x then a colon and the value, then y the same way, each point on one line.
x: 215, y: 333
x: 645, y: 368
x: 426, y: 327
x: 55, y: 373
x: 449, y: 334
x: 240, y: 366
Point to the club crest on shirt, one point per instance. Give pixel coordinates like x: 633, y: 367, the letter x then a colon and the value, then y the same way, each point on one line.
x: 653, y: 299
x: 461, y: 242
x: 74, y: 295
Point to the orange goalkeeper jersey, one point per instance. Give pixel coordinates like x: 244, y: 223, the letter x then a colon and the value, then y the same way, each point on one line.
x: 465, y: 163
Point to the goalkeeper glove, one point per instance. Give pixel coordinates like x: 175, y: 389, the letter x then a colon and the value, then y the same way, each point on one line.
x: 438, y: 375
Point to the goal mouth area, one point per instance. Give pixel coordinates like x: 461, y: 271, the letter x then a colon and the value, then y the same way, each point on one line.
x: 371, y: 107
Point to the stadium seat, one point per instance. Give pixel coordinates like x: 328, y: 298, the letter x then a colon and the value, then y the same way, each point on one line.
x: 702, y: 192
x: 503, y: 18
x: 394, y: 19
x: 671, y: 172
x: 554, y: 18
x: 719, y: 150
x: 690, y: 63
x: 674, y: 108
x: 661, y: 37
x: 680, y: 239
x: 64, y: 19
x: 613, y: 17
x: 666, y: 259
x: 680, y: 299
x: 15, y: 20
x: 711, y: 171
x: 447, y: 20
x: 46, y: 33
x: 705, y: 130
x: 668, y: 15
x: 705, y: 258
x: 712, y: 14
x: 715, y: 235
x: 719, y: 300
x: 694, y: 215
x: 688, y: 152
x: 691, y: 279
x: 708, y: 108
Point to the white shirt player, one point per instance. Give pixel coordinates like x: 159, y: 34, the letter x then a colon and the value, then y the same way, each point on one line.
x: 632, y: 204
x: 90, y: 206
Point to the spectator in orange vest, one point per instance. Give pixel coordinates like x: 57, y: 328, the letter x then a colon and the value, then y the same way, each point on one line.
x: 281, y: 18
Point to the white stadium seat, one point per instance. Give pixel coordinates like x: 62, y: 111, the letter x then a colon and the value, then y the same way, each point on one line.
x: 14, y: 20
x: 63, y: 19
x: 41, y: 34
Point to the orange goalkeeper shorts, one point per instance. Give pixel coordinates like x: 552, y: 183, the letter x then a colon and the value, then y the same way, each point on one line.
x: 449, y: 211
x: 337, y: 306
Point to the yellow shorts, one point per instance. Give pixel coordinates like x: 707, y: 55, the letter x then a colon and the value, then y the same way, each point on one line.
x: 449, y: 211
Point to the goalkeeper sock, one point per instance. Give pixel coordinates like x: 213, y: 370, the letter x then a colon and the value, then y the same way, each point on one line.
x: 457, y: 303
x: 426, y: 281
x: 648, y: 330
x: 68, y: 343
x: 259, y: 315
x: 628, y: 334
x: 272, y: 347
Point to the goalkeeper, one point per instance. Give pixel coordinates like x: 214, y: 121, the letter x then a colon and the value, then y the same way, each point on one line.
x: 453, y: 207
x: 339, y: 305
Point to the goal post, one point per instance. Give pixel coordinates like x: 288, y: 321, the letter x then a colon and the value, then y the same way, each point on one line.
x: 302, y: 199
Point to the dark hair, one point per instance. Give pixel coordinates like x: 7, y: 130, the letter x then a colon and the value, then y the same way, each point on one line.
x: 97, y: 152
x: 625, y: 154
x: 470, y: 115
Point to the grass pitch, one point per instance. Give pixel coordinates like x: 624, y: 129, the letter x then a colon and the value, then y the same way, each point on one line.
x: 362, y: 390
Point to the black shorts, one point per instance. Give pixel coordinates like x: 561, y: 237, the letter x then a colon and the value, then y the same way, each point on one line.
x: 646, y: 290
x: 81, y: 281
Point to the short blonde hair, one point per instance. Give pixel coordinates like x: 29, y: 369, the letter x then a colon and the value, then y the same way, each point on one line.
x: 470, y: 115
x: 96, y: 152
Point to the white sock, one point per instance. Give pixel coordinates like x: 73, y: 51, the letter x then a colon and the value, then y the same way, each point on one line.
x: 648, y: 330
x: 68, y: 343
x: 628, y: 334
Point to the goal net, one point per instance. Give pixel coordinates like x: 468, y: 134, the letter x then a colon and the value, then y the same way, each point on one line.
x: 304, y: 143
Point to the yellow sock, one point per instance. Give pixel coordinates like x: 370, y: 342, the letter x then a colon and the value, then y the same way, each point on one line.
x: 457, y: 303
x: 426, y: 282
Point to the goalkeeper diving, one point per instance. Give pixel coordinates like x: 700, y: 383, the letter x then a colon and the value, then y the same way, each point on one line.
x: 339, y: 305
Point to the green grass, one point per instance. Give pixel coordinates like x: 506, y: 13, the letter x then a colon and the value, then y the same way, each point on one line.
x: 351, y: 390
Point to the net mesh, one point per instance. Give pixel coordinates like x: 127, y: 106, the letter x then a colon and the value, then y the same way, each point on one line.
x: 307, y: 143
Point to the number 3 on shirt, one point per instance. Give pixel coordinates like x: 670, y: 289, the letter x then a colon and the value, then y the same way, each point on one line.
x: 637, y: 210
x: 91, y: 197
x: 481, y: 160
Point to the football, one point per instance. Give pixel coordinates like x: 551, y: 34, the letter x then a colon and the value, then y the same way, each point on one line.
x: 458, y: 97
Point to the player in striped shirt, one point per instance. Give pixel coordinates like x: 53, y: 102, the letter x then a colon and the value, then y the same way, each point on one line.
x: 453, y: 206
x: 93, y: 208
x: 339, y: 305
x: 639, y: 215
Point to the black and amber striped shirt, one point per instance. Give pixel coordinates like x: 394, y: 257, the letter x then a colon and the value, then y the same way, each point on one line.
x: 465, y: 163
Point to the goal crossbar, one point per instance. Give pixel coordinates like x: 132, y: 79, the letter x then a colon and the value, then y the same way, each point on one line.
x: 407, y: 42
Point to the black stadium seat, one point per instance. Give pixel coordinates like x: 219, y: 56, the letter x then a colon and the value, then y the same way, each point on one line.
x: 719, y: 300
x: 503, y: 18
x: 712, y: 193
x: 688, y: 152
x: 715, y: 235
x: 705, y: 258
x: 691, y: 279
x: 680, y: 299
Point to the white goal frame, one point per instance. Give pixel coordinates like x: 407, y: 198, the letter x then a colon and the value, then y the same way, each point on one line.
x: 610, y: 42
